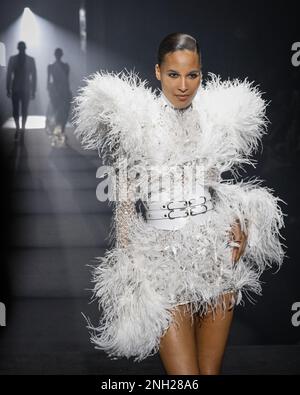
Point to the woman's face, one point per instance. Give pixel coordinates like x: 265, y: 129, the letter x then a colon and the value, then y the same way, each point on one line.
x: 180, y: 77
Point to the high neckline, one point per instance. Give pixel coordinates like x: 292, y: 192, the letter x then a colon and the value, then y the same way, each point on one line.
x: 178, y: 110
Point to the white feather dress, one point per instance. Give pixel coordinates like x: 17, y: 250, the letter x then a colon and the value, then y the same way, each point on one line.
x: 147, y: 272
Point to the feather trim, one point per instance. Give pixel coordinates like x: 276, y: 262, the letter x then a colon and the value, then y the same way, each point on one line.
x: 237, y: 107
x: 105, y: 111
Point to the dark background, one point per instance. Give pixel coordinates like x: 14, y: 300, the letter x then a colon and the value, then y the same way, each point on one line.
x: 237, y: 39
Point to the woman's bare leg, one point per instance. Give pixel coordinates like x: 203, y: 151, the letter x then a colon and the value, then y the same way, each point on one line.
x: 178, y: 349
x: 211, y: 335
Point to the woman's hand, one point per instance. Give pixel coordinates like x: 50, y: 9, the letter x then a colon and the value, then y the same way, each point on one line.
x: 238, y: 240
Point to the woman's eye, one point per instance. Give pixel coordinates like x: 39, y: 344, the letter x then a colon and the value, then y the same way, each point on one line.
x: 174, y: 75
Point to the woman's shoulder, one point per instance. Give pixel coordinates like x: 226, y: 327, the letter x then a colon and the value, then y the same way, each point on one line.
x: 114, y: 109
x: 230, y: 100
x: 233, y: 112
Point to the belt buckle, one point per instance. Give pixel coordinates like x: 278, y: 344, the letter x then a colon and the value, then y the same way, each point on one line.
x: 181, y: 209
x: 196, y: 204
x: 177, y: 201
x: 202, y: 212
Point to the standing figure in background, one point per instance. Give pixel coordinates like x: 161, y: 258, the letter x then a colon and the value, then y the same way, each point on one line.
x: 60, y: 98
x: 21, y: 83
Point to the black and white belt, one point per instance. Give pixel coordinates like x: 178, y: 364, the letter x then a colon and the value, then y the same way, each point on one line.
x: 178, y: 209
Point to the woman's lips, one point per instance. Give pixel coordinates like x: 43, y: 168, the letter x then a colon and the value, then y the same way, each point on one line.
x: 182, y: 97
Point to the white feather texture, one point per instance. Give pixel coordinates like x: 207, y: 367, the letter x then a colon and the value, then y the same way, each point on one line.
x: 138, y: 285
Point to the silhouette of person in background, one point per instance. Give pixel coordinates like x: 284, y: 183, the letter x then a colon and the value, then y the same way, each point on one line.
x: 21, y: 83
x: 60, y: 99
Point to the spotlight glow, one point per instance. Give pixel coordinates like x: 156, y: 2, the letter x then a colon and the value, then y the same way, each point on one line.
x: 82, y: 25
x: 29, y: 28
x: 34, y: 122
x: 2, y: 54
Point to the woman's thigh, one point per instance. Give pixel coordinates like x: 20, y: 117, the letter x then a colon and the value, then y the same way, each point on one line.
x: 212, y: 332
x: 178, y: 350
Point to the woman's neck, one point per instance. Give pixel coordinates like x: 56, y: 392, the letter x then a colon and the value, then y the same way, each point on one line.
x: 180, y: 110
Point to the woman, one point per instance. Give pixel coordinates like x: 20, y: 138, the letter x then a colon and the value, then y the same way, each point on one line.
x: 60, y: 99
x: 185, y: 256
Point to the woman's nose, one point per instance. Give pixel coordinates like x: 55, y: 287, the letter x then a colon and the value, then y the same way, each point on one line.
x: 182, y: 85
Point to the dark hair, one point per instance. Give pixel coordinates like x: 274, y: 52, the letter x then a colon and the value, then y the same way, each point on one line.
x: 177, y: 41
x: 21, y: 45
x: 58, y: 52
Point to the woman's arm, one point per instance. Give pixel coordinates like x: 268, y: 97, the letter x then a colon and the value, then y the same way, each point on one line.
x: 125, y: 209
x: 238, y: 240
x: 124, y: 213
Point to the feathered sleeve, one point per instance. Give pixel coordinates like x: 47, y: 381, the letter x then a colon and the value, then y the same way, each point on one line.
x: 237, y: 116
x: 110, y: 110
x: 109, y: 115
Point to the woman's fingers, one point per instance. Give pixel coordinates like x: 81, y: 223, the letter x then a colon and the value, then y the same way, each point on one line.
x: 238, y: 240
x: 243, y: 244
x: 234, y: 254
x: 236, y: 229
x: 239, y: 246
